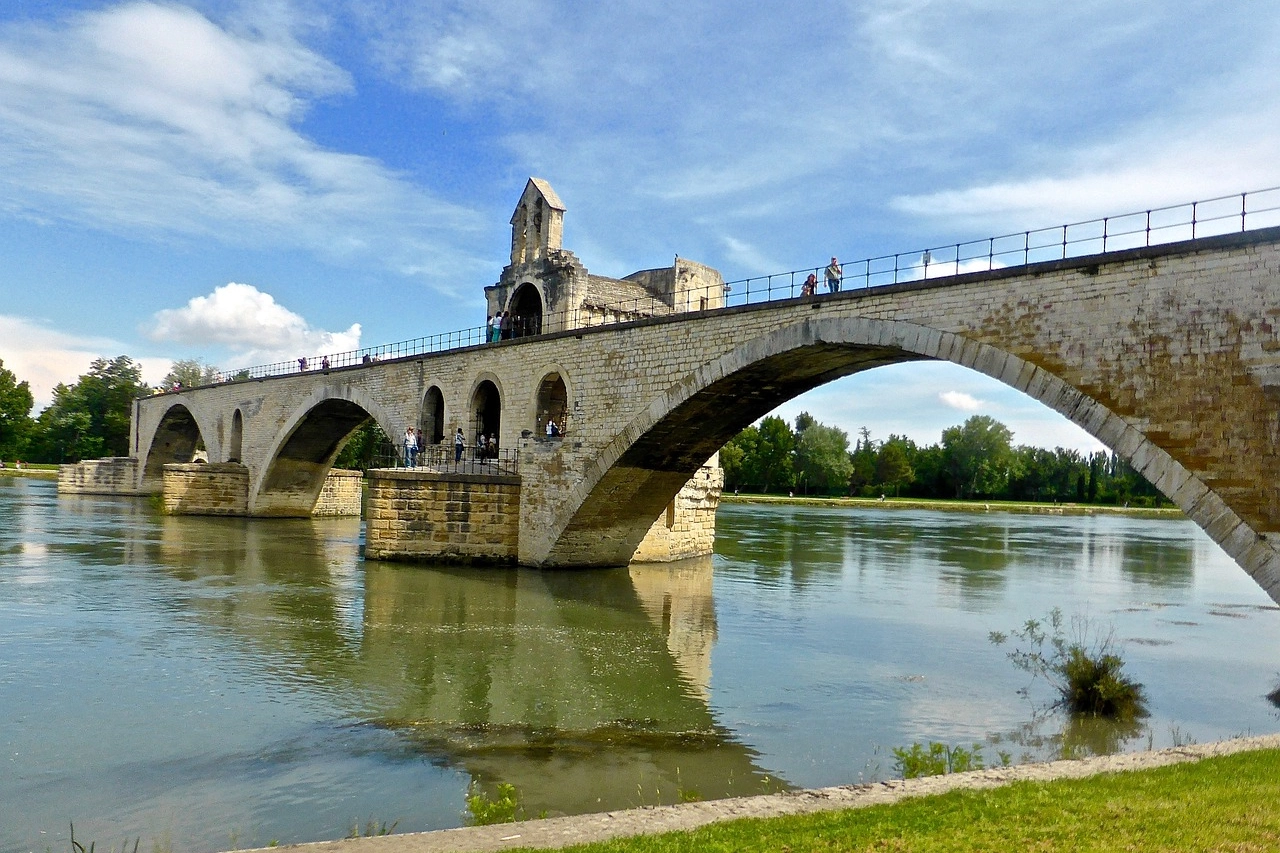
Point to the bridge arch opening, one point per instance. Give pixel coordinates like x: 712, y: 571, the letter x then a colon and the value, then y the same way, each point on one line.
x: 634, y: 477
x: 176, y: 439
x: 433, y: 415
x: 486, y: 412
x: 296, y: 474
x: 526, y: 311
x: 237, y: 437
x: 552, y: 404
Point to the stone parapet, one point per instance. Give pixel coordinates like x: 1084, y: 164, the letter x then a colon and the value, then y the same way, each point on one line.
x: 688, y: 527
x: 340, y: 495
x: 206, y: 489
x: 115, y: 475
x: 432, y: 516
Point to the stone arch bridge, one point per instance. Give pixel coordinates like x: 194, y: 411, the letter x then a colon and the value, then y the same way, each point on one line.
x: 1169, y: 355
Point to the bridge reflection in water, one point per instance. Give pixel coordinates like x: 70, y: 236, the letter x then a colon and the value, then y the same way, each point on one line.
x: 586, y: 690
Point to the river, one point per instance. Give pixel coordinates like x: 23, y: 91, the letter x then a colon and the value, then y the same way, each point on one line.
x: 208, y: 683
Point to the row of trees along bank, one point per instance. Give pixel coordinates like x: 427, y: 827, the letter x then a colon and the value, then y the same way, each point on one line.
x: 974, y: 460
x: 90, y: 418
x: 87, y: 419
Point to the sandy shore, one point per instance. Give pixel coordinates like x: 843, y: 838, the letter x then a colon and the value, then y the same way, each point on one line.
x: 579, y: 829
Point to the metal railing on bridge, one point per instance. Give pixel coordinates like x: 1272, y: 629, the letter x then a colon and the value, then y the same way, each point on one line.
x: 1225, y: 214
x: 443, y: 459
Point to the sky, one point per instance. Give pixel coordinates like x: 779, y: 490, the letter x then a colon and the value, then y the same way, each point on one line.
x: 239, y: 182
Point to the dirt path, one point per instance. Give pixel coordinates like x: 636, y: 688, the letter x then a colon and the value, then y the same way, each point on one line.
x: 579, y: 829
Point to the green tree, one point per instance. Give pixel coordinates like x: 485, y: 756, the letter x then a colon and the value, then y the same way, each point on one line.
x: 978, y: 456
x: 363, y: 449
x: 822, y: 458
x: 91, y: 418
x: 760, y: 457
x: 734, y: 455
x: 863, y: 461
x: 775, y: 454
x: 15, y: 414
x: 189, y: 373
x: 893, y: 464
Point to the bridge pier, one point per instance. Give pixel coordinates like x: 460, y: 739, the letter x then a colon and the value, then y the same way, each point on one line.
x: 421, y: 514
x: 114, y: 475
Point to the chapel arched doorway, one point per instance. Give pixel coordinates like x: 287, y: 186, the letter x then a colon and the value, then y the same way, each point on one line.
x: 526, y: 311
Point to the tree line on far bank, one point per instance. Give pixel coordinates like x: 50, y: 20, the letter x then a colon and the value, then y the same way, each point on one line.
x: 87, y: 419
x: 90, y: 419
x: 976, y: 460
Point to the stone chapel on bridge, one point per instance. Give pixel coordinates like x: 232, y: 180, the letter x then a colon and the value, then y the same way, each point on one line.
x: 546, y: 288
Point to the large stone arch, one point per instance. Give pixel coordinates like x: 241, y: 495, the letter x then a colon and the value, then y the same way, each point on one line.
x: 626, y: 486
x: 175, y: 440
x: 302, y: 454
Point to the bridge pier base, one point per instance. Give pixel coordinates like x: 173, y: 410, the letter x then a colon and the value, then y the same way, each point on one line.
x: 423, y: 515
x: 197, y: 488
x: 115, y: 475
x: 688, y: 527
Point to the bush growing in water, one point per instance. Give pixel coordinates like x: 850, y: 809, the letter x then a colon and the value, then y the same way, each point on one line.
x: 1086, y: 671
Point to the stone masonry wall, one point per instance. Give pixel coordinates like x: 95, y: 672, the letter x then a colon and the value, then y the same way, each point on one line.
x: 340, y: 495
x: 688, y: 528
x: 422, y: 515
x: 206, y: 489
x: 117, y: 475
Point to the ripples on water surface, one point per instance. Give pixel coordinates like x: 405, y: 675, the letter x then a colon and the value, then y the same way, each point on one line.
x: 212, y: 683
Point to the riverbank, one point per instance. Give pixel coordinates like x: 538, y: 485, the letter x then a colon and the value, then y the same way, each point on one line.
x: 1210, y: 797
x: 1026, y: 508
x: 39, y: 472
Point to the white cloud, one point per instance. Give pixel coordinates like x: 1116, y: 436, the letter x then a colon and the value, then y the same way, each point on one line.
x: 44, y: 357
x: 250, y: 324
x: 960, y: 400
x: 149, y: 119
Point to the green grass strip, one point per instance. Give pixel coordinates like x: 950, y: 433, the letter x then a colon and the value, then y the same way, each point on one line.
x: 1231, y: 803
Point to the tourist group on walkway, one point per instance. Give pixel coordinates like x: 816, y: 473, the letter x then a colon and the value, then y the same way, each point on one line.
x: 414, y: 447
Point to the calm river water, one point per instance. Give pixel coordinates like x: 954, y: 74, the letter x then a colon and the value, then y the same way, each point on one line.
x: 213, y: 683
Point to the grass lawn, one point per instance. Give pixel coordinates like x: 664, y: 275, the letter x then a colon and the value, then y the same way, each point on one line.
x: 1230, y: 803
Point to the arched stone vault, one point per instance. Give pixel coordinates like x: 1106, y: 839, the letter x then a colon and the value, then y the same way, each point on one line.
x: 305, y: 450
x: 174, y: 440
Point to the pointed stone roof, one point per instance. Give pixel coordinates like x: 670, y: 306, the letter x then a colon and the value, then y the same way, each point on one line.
x: 542, y: 188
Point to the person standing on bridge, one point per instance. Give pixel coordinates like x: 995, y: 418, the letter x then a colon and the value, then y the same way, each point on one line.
x: 810, y: 285
x: 410, y: 447
x: 834, y: 274
x: 459, y: 445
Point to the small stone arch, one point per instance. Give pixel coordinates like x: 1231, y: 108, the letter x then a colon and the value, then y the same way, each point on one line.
x: 551, y: 403
x: 526, y: 311
x: 433, y: 415
x: 485, y: 411
x: 236, y: 441
x: 175, y: 440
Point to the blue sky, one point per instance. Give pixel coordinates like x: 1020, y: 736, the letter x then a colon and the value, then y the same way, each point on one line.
x: 243, y: 181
